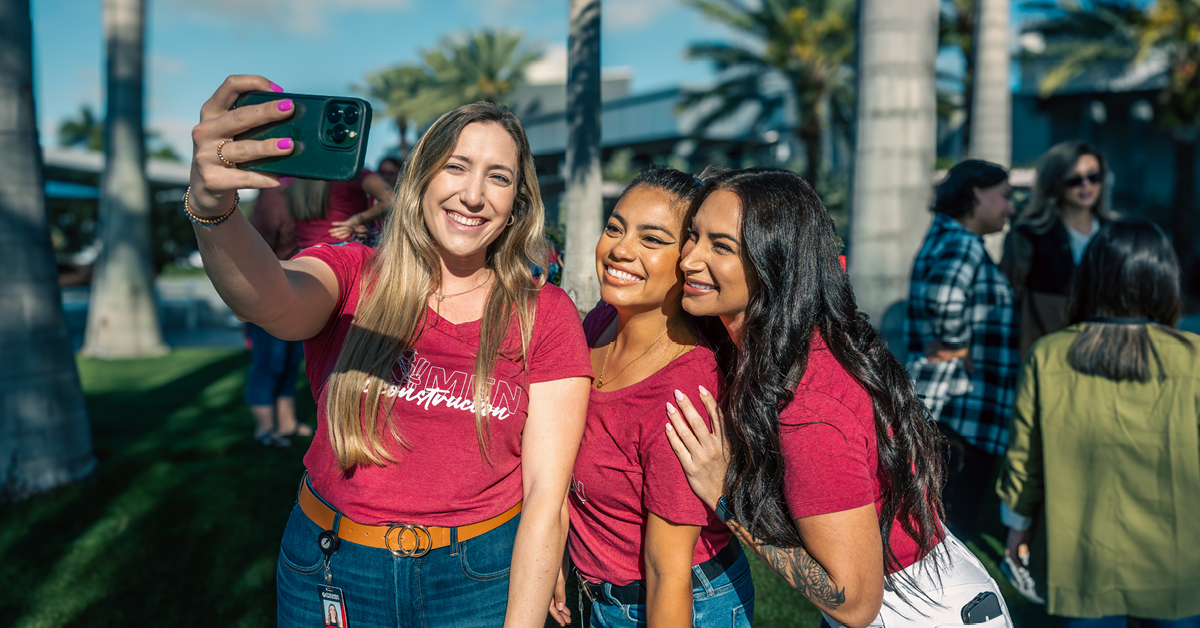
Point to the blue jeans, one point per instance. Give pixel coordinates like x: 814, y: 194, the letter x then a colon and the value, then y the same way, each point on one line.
x: 273, y: 366
x: 463, y: 585
x: 726, y: 601
x: 1118, y: 621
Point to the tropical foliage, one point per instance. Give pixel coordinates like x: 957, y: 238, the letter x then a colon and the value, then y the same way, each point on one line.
x: 1079, y: 35
x: 956, y: 30
x: 810, y: 43
x: 483, y: 66
x: 87, y: 131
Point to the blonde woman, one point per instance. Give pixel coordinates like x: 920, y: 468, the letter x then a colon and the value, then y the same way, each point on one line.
x: 451, y: 386
x: 1068, y: 207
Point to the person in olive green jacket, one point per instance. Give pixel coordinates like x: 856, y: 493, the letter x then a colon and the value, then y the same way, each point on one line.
x: 1104, y: 447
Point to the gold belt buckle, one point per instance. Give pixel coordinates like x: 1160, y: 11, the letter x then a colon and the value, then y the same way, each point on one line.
x: 417, y: 530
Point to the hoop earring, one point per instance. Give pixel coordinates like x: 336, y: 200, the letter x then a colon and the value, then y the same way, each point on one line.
x: 510, y: 221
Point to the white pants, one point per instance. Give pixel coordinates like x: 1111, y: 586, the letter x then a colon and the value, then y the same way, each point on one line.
x: 962, y: 577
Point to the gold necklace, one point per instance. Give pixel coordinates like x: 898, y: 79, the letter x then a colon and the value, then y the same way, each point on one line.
x: 600, y: 380
x: 439, y: 297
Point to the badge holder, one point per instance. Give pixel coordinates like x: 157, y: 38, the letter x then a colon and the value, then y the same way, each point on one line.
x: 333, y: 601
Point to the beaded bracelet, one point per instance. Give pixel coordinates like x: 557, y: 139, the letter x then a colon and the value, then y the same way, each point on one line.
x: 208, y: 222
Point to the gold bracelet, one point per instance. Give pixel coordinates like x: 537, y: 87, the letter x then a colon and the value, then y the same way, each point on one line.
x: 208, y: 222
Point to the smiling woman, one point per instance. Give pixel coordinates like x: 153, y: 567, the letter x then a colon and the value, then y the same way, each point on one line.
x: 436, y: 360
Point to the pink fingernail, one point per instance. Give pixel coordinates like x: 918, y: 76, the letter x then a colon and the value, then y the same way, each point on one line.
x: 284, y: 143
x: 670, y: 408
x: 276, y: 88
x: 678, y: 395
x: 285, y: 105
x: 703, y: 391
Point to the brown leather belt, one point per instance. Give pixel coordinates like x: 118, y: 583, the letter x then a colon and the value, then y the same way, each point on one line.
x: 401, y: 539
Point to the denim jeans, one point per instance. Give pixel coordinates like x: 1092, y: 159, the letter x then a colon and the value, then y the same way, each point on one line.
x: 273, y: 366
x: 463, y: 585
x: 1119, y: 621
x: 726, y: 601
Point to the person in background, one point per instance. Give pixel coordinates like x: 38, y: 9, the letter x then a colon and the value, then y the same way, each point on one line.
x: 274, y: 363
x: 962, y: 333
x: 647, y: 549
x: 831, y: 472
x: 1068, y: 207
x: 334, y: 212
x: 389, y: 168
x: 1103, y: 446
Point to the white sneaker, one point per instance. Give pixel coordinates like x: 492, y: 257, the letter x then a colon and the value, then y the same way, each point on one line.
x: 1021, y: 580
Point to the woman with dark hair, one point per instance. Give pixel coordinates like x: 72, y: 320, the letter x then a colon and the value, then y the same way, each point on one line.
x: 1068, y: 207
x: 646, y: 548
x: 831, y: 472
x: 1103, y: 449
x: 451, y: 384
x: 962, y: 333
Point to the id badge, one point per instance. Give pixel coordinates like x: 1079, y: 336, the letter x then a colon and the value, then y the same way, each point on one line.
x: 333, y: 606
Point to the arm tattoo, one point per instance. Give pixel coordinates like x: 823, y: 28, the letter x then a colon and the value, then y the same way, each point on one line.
x: 798, y: 568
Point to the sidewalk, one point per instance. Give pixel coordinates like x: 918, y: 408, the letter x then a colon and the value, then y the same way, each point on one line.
x: 189, y: 309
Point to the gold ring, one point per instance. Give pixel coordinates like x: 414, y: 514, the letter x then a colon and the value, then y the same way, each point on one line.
x: 222, y: 158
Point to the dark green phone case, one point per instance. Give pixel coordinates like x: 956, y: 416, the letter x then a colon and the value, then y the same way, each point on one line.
x: 330, y: 142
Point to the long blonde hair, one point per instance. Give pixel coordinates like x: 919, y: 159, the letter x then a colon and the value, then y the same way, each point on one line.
x: 1053, y: 168
x: 308, y: 199
x: 396, y: 286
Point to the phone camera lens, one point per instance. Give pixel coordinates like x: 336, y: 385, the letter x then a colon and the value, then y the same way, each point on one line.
x: 350, y: 114
x: 339, y: 134
x: 333, y: 114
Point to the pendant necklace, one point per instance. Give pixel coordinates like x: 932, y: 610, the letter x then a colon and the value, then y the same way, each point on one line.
x: 439, y: 297
x: 600, y: 380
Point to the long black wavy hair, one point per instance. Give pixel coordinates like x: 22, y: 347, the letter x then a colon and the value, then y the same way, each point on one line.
x: 789, y: 246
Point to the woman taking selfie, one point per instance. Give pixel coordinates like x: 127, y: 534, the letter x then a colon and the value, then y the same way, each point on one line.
x: 1046, y: 244
x: 1103, y: 449
x: 831, y: 471
x: 646, y: 548
x: 436, y: 360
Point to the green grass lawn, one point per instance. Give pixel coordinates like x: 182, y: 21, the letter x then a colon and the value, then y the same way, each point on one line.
x: 180, y: 525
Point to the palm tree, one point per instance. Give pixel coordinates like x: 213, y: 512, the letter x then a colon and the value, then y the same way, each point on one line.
x: 585, y: 205
x: 122, y: 314
x: 809, y: 42
x: 896, y: 146
x: 406, y: 95
x: 1080, y: 36
x: 85, y: 131
x: 991, y: 120
x: 45, y: 439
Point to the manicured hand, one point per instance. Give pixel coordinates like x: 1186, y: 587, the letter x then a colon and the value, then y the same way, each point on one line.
x: 704, y: 454
x: 213, y: 181
x: 559, y: 610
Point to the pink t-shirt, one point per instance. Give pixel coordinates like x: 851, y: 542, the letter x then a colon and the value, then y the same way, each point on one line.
x: 830, y: 450
x: 626, y: 466
x: 441, y: 478
x: 346, y: 198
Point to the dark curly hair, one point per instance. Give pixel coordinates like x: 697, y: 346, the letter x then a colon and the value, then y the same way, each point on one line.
x: 790, y: 248
x: 956, y: 193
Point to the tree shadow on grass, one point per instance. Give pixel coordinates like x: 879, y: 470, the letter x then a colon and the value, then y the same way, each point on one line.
x: 180, y: 524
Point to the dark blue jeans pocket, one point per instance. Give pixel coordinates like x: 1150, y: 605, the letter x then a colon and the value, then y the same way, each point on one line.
x: 489, y: 556
x: 299, y: 551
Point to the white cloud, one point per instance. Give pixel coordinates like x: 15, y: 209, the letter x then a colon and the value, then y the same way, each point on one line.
x: 633, y: 14
x: 298, y: 17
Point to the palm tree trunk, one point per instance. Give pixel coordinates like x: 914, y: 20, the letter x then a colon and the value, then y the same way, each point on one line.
x: 123, y: 315
x: 895, y: 148
x: 45, y: 439
x: 585, y: 205
x: 991, y: 115
x: 810, y: 134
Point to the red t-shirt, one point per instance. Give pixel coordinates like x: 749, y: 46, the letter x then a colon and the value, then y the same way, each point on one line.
x: 829, y: 447
x: 346, y: 198
x: 626, y: 466
x: 440, y: 478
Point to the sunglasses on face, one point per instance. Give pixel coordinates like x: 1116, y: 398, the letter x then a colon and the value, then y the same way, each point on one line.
x: 1073, y: 182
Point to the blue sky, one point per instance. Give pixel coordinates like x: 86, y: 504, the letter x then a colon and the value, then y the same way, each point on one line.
x: 326, y: 46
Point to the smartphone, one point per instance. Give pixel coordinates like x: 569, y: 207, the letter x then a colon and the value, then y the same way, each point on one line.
x: 984, y: 607
x: 329, y: 134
